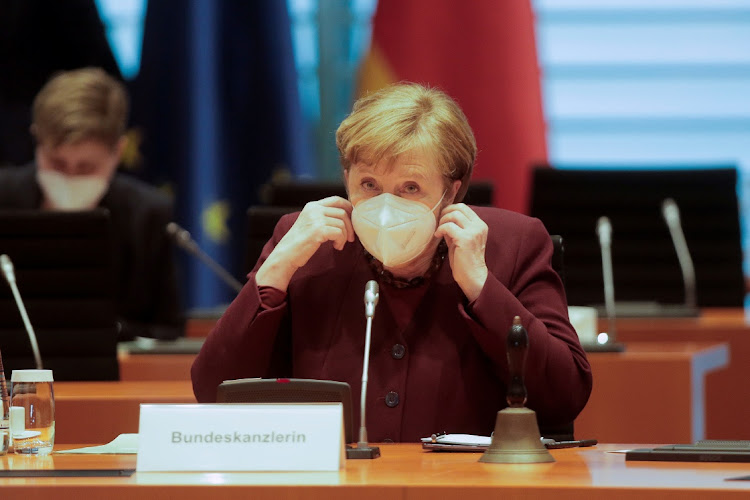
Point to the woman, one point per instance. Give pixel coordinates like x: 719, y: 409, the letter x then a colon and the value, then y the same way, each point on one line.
x: 438, y: 357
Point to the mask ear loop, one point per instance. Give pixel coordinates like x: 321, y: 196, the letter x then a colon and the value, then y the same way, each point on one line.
x: 439, y: 201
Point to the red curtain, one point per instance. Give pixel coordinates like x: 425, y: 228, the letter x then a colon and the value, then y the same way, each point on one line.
x: 483, y: 54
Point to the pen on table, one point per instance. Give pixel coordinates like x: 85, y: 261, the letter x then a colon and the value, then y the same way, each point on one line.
x: 582, y: 443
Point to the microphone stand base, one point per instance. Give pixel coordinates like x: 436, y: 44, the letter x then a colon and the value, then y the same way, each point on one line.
x: 605, y: 347
x: 627, y: 309
x: 366, y: 452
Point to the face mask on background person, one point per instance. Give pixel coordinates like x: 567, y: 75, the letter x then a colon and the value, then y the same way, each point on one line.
x: 393, y: 229
x: 72, y: 192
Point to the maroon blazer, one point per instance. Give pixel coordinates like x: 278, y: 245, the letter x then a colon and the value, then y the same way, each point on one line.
x: 445, y: 370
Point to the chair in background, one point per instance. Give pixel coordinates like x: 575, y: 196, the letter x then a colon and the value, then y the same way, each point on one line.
x: 297, y: 193
x: 558, y: 256
x: 261, y: 221
x: 65, y: 275
x: 646, y: 267
x: 288, y: 197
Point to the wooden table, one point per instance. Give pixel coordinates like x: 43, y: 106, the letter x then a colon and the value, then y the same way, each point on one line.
x: 652, y: 392
x: 199, y: 327
x: 728, y: 390
x: 97, y: 412
x: 135, y: 367
x: 403, y: 472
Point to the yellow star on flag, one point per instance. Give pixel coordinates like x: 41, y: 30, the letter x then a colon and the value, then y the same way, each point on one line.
x: 214, y: 221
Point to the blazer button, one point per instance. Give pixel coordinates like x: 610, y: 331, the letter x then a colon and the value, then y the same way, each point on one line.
x: 391, y: 399
x: 398, y: 351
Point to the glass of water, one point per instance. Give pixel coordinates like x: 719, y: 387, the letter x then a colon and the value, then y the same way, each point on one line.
x: 33, y: 391
x: 4, y: 421
x: 4, y: 411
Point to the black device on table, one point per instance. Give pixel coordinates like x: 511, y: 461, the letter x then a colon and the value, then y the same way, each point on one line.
x: 707, y: 450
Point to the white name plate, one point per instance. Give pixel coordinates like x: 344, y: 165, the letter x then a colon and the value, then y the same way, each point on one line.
x: 241, y: 437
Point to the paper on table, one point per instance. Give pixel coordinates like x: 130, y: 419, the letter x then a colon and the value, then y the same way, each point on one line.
x: 460, y: 439
x: 122, y: 444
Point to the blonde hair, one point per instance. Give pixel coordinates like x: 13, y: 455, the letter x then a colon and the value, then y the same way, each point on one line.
x: 80, y: 104
x: 408, y: 117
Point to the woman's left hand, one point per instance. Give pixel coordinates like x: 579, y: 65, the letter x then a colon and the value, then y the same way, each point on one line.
x: 466, y: 236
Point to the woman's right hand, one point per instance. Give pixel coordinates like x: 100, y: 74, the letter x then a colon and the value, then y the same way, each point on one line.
x: 328, y: 219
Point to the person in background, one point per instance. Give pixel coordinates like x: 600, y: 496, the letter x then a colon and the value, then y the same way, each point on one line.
x: 451, y: 278
x: 39, y: 38
x: 78, y: 122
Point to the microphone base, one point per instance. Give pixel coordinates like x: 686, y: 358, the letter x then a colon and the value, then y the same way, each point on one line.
x: 365, y: 452
x: 606, y: 347
x: 649, y: 310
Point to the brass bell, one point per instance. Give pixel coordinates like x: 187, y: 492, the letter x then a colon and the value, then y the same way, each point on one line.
x: 516, y: 439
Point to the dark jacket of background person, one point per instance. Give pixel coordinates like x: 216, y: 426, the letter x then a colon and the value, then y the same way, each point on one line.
x: 453, y: 373
x: 147, y: 294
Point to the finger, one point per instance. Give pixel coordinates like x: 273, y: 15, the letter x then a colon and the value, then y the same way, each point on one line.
x: 338, y: 202
x: 343, y: 225
x: 337, y: 212
x: 344, y: 216
x: 463, y: 209
x: 336, y: 235
x: 448, y: 230
x: 333, y: 229
x: 457, y: 217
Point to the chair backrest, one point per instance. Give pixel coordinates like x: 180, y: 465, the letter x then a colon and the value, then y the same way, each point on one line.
x: 562, y: 432
x: 558, y: 255
x: 646, y: 267
x: 297, y: 193
x: 288, y: 197
x: 65, y: 274
x: 292, y: 390
x: 261, y: 221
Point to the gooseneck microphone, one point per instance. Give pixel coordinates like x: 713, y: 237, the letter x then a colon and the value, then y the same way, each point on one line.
x: 10, y: 276
x: 364, y: 450
x: 672, y: 217
x: 604, y: 231
x: 371, y: 300
x: 185, y: 241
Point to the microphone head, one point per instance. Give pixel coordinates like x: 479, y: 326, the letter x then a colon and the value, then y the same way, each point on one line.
x: 604, y: 230
x: 670, y: 211
x: 173, y: 229
x: 7, y: 267
x: 372, y: 292
x: 180, y: 235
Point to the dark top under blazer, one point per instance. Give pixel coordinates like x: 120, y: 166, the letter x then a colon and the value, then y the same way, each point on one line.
x: 147, y: 295
x: 453, y: 373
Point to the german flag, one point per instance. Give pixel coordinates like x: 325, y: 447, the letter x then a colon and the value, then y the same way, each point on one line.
x: 483, y: 54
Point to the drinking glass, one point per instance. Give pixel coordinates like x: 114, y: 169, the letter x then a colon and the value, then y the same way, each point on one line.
x: 4, y: 422
x: 4, y: 412
x: 33, y: 391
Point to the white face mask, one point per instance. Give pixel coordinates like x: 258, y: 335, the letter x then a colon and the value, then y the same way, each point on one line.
x: 79, y: 192
x: 394, y: 230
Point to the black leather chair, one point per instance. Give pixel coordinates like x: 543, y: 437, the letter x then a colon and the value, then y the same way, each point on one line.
x: 65, y: 274
x: 645, y: 264
x: 558, y: 255
x: 261, y: 221
x: 297, y: 193
x: 285, y: 197
x: 558, y: 432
